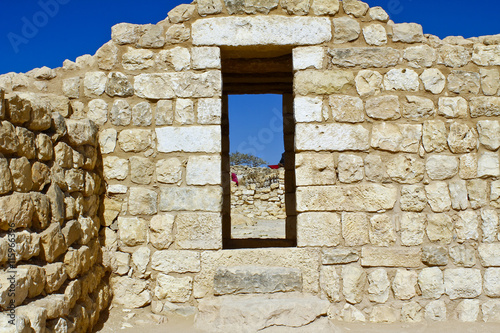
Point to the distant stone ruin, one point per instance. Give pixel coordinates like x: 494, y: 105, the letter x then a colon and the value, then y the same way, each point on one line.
x: 115, y: 180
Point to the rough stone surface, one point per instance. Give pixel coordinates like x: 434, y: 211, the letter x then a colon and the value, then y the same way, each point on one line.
x: 353, y: 283
x: 186, y: 139
x: 404, y: 284
x: 323, y: 82
x: 390, y: 257
x: 365, y: 57
x: 345, y: 29
x: 198, y: 231
x: 318, y: 229
x: 331, y: 137
x: 431, y: 282
x: 315, y: 169
x: 462, y: 282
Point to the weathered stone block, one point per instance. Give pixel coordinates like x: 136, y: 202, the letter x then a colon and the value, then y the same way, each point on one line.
x: 81, y: 132
x: 438, y: 196
x: 107, y: 140
x: 488, y: 165
x: 390, y: 257
x: 176, y: 261
x: 132, y: 230
x: 339, y: 256
x: 413, y: 198
x: 375, y: 169
x: 468, y: 310
x: 353, y: 283
x: 318, y: 229
x: 115, y: 168
x: 118, y: 84
x: 440, y: 167
x: 189, y: 139
x: 368, y: 83
x: 330, y: 283
x: 261, y: 30
x: 401, y: 80
x: 463, y: 255
x: 350, y: 168
x: 201, y: 231
x: 365, y: 57
x: 142, y: 201
x: 184, y: 111
x: 315, y: 169
x: 174, y: 289
x: 420, y: 56
x: 383, y: 107
x: 308, y: 109
x: 345, y: 29
x: 353, y: 198
x: 53, y: 243
x: 478, y: 193
x: 463, y: 82
x: 355, y: 227
x: 453, y: 55
x: 141, y: 170
x: 375, y: 34
x: 463, y: 282
x: 485, y: 106
x: 323, y: 82
x: 169, y: 171
x: 382, y: 231
x: 206, y: 57
x: 453, y: 107
x: 434, y: 255
x: 404, y: 284
x: 431, y: 282
x: 489, y: 254
x: 407, y: 33
x: 378, y: 289
x: 406, y: 169
x: 331, y: 137
x: 492, y: 282
x: 486, y: 55
x: 130, y: 292
x: 417, y: 108
x: 135, y: 140
x: 308, y: 57
x: 256, y: 280
x: 94, y: 84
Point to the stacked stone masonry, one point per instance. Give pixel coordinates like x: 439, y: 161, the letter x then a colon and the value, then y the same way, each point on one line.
x: 113, y: 163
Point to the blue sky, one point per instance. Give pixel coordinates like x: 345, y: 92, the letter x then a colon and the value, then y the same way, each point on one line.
x: 76, y: 27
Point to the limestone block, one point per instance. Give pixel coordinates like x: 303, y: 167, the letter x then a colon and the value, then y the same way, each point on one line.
x: 75, y: 180
x: 307, y: 57
x: 250, y: 7
x: 350, y: 168
x: 325, y: 7
x: 375, y: 34
x: 462, y: 282
x: 440, y: 167
x: 383, y: 108
x: 495, y: 194
x: 142, y: 114
x: 21, y: 283
x: 330, y: 283
x: 107, y: 140
x: 384, y: 314
x: 177, y: 59
x: 71, y: 87
x: 468, y: 166
x: 125, y: 33
x: 165, y: 113
x: 490, y: 81
x: 382, y: 231
x: 335, y: 256
x: 56, y: 198
x: 142, y: 201
x: 261, y: 30
x: 52, y: 242
x: 308, y: 109
x: 178, y: 33
x: 141, y: 170
x: 331, y: 137
x: 431, y: 282
x: 478, y: 193
x: 173, y: 289
x: 488, y: 165
x: 121, y: 113
x: 180, y: 84
x: 5, y: 176
x: 203, y: 170
x: 365, y: 57
x: 132, y: 230
x: 169, y: 171
x: 489, y: 254
x: 353, y: 283
x: 94, y: 83
x: 413, y: 198
x: 323, y: 82
x: 453, y: 55
x: 345, y: 29
x: 439, y: 228
x: 106, y: 56
x: 462, y: 138
x: 396, y: 137
x: 115, y: 168
x: 161, y: 231
x: 20, y: 169
x: 135, y: 140
x: 349, y: 198
x: 152, y: 37
x: 378, y: 289
x: 453, y: 107
x: 355, y: 227
x: 401, y: 80
x: 63, y: 155
x: 295, y: 7
x: 368, y: 83
x: 407, y: 33
x: 489, y: 225
x: 406, y: 169
x: 436, y: 311
x: 492, y: 282
x: 44, y: 147
x: 375, y: 169
x: 420, y: 56
x: 463, y: 255
x: 208, y: 7
x: 181, y: 13
x: 390, y: 256
x: 463, y: 82
x: 176, y: 261
x: 378, y: 13
x: 130, y: 292
x: 26, y: 141
x: 411, y: 312
x: 412, y: 229
x: 458, y: 194
x: 489, y: 133
x: 137, y: 59
x: 140, y: 258
x: 485, y: 106
x: 434, y: 136
x: 468, y: 310
x: 416, y: 108
x: 199, y: 231
x: 433, y: 80
x: 256, y: 280
x: 81, y: 132
x: 404, y: 284
x: 118, y: 84
x: 354, y: 7
x: 318, y: 229
x: 209, y: 111
x: 187, y: 139
x: 434, y: 255
x: 486, y: 55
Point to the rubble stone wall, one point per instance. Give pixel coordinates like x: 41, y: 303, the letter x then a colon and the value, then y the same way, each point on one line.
x: 397, y: 162
x: 51, y: 273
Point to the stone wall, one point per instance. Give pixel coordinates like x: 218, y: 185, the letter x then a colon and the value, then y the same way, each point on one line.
x: 260, y: 193
x: 50, y: 185
x: 396, y: 151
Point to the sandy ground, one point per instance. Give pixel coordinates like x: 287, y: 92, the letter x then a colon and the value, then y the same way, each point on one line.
x: 262, y: 229
x: 143, y: 321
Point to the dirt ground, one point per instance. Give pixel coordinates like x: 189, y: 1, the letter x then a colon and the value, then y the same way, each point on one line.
x: 143, y: 321
x: 262, y: 229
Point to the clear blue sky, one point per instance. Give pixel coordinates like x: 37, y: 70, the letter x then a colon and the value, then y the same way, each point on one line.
x: 77, y: 27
